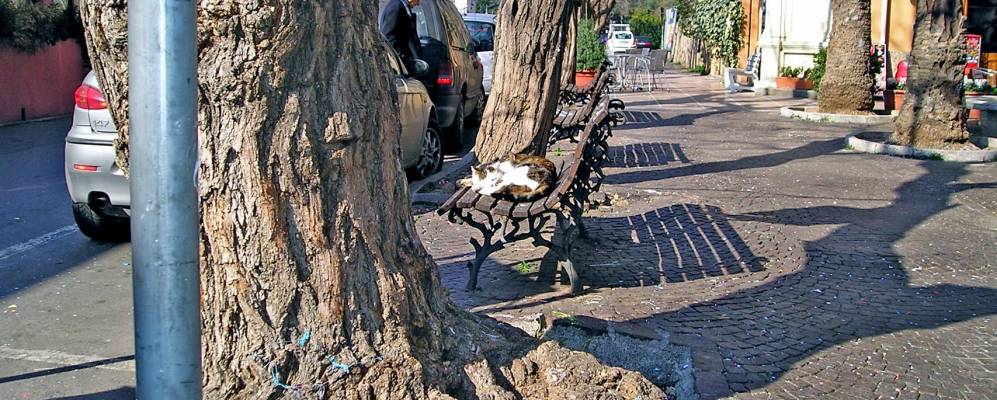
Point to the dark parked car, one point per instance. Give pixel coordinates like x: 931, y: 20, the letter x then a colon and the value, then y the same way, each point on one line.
x: 454, y: 80
x: 644, y: 42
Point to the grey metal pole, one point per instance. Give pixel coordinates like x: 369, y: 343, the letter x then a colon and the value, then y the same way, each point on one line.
x: 162, y: 115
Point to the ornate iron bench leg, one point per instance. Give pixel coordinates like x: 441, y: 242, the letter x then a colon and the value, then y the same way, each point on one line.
x: 564, y: 239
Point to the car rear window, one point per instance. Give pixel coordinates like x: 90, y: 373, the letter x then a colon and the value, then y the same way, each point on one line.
x: 423, y: 25
x: 483, y: 33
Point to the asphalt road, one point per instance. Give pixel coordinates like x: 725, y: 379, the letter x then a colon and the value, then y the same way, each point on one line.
x: 65, y: 301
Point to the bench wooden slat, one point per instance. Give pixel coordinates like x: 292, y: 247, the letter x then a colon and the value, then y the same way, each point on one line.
x: 539, y: 206
x: 522, y: 210
x: 485, y: 203
x: 452, y: 201
x: 468, y: 199
x: 503, y: 208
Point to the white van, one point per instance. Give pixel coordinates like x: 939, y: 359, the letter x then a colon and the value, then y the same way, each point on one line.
x: 620, y: 41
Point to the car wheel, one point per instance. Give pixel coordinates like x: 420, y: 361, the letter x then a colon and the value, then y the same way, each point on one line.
x: 474, y: 120
x: 100, y: 227
x: 431, y: 156
x: 453, y: 141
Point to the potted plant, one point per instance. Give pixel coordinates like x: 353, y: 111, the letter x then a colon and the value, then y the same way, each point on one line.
x: 893, y: 96
x: 792, y: 78
x: 590, y: 53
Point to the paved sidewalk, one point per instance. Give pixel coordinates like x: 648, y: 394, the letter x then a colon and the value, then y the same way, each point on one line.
x: 791, y: 267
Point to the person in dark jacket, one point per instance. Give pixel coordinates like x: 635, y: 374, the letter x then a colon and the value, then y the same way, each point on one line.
x: 397, y: 23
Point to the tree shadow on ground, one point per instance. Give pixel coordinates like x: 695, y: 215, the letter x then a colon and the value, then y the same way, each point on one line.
x: 67, y: 368
x: 122, y: 393
x: 853, y: 285
x: 809, y: 150
x: 647, y: 119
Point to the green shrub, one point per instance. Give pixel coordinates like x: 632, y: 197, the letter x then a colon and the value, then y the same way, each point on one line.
x: 590, y: 52
x: 699, y: 69
x: 644, y: 22
x: 28, y: 26
x: 793, y: 72
x: 816, y: 74
x: 718, y: 23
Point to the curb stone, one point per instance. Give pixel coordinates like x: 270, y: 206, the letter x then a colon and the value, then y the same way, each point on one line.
x: 810, y: 114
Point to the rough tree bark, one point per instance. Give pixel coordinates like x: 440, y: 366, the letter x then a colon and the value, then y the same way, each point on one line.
x: 932, y: 114
x: 848, y: 84
x: 314, y: 282
x: 530, y: 40
x: 570, y: 46
x: 106, y: 20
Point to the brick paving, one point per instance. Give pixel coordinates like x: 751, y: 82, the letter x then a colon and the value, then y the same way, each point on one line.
x: 791, y: 267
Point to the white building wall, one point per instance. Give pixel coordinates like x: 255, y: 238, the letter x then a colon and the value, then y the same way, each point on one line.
x: 794, y: 30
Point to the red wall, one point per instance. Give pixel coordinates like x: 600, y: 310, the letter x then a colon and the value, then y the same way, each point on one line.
x: 41, y: 83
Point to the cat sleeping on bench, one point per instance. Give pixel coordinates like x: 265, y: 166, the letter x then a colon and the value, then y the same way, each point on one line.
x: 517, y: 178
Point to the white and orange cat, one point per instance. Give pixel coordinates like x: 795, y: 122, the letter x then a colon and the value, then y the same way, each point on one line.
x: 519, y: 177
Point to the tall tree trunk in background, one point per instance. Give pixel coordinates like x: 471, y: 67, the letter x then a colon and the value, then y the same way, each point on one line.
x: 932, y: 114
x: 848, y: 84
x: 599, y: 11
x: 314, y: 282
x: 529, y: 49
x: 570, y: 48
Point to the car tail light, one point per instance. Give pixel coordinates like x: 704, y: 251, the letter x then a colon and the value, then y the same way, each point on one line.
x: 89, y: 98
x: 445, y: 75
x: 85, y: 168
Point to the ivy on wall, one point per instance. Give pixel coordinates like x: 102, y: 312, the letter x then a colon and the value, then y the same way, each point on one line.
x: 28, y: 25
x: 718, y: 23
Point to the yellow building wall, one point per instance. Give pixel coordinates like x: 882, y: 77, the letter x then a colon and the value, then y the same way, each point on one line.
x: 900, y: 28
x: 752, y: 26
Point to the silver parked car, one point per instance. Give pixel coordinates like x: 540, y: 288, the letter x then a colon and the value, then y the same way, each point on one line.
x: 99, y: 188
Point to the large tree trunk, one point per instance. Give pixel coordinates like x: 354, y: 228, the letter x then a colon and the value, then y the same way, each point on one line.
x: 932, y: 114
x: 848, y: 84
x: 314, y: 283
x: 530, y: 40
x: 106, y: 20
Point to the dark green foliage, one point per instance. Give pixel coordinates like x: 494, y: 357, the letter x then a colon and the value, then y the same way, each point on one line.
x: 644, y: 22
x: 793, y: 72
x: 589, y: 51
x: 699, y: 69
x: 487, y: 6
x: 816, y: 74
x: 718, y: 23
x: 28, y: 26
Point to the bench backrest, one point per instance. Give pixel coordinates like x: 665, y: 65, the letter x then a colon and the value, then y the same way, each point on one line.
x: 752, y: 67
x: 565, y: 179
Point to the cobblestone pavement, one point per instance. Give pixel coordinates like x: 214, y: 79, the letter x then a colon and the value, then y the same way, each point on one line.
x: 791, y: 267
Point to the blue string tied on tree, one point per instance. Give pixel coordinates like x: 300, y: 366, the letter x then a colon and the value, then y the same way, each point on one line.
x: 305, y: 337
x: 338, y: 365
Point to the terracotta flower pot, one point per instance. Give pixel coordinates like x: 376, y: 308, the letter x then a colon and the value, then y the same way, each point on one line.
x: 785, y: 82
x: 893, y: 99
x: 584, y: 78
x: 974, y: 114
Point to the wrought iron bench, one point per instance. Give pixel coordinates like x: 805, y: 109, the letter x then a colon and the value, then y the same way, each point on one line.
x: 575, y: 109
x: 502, y: 222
